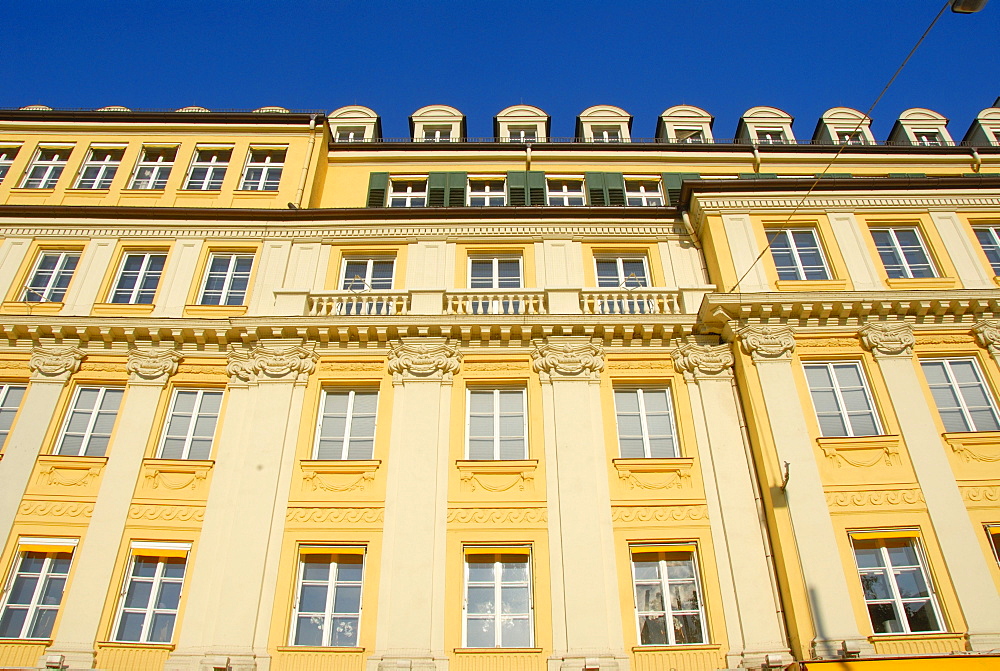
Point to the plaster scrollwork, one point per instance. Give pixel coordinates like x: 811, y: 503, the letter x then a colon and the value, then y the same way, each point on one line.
x: 472, y: 481
x: 703, y: 361
x: 767, y: 342
x: 55, y: 363
x: 267, y: 364
x: 569, y: 357
x: 887, y: 338
x: 659, y: 513
x: 987, y: 333
x: 69, y: 477
x: 167, y: 513
x: 875, y: 497
x: 424, y: 359
x: 334, y: 515
x: 55, y: 509
x: 981, y: 494
x: 176, y: 479
x: 151, y: 366
x: 512, y: 516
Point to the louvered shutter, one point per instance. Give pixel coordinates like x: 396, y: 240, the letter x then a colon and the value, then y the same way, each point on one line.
x: 596, y: 193
x: 457, y: 182
x: 536, y: 187
x: 614, y: 182
x: 672, y: 182
x: 378, y: 185
x: 437, y: 189
x: 517, y: 188
x: 758, y: 175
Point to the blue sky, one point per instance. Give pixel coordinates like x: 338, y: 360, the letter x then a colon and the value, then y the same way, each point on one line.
x: 803, y: 56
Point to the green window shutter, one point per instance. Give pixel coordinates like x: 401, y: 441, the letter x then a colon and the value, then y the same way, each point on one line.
x: 615, y: 184
x: 437, y: 189
x: 748, y: 175
x: 378, y: 185
x: 517, y: 187
x: 905, y: 175
x: 457, y: 182
x: 672, y: 184
x: 834, y: 175
x: 597, y: 194
x: 536, y: 187
x: 767, y: 175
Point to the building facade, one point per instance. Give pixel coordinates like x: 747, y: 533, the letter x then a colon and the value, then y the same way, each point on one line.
x: 279, y: 393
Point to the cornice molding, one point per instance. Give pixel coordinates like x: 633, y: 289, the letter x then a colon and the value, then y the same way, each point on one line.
x: 824, y: 202
x: 568, y: 358
x: 703, y: 361
x: 423, y: 358
x: 55, y: 364
x: 887, y: 339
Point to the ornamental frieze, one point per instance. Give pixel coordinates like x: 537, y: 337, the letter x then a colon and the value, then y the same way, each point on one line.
x: 887, y: 338
x: 55, y: 363
x: 267, y: 364
x: 151, y: 366
x: 766, y: 342
x: 413, y: 359
x: 568, y: 357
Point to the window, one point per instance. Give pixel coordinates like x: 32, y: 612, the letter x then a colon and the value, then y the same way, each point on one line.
x: 45, y: 169
x: 927, y: 138
x: 841, y: 398
x: 497, y: 427
x: 645, y: 423
x: 523, y: 133
x: 154, y: 168
x: 566, y: 192
x: 770, y: 136
x: 495, y: 273
x: 962, y: 399
x: 227, y: 279
x: 643, y: 192
x: 87, y: 429
x: 408, y: 193
x: 346, y: 428
x: 373, y: 273
x: 190, y: 424
x: 10, y: 401
x: 138, y: 278
x: 7, y: 156
x: 898, y: 591
x: 624, y: 272
x: 607, y: 134
x: 263, y: 171
x: 487, y: 193
x: 903, y: 253
x: 498, y: 603
x: 350, y: 134
x: 850, y: 137
x: 797, y: 254
x: 208, y: 169
x: 100, y: 167
x: 327, y: 608
x: 148, y: 609
x: 437, y: 133
x: 668, y: 602
x: 989, y: 238
x: 50, y: 277
x: 689, y: 135
x: 993, y: 531
x: 34, y: 590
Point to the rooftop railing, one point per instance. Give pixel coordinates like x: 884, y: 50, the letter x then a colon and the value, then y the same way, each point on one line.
x: 661, y: 141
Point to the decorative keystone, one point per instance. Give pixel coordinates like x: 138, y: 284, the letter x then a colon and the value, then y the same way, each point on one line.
x: 151, y: 366
x: 766, y: 342
x: 426, y: 358
x: 698, y: 361
x: 266, y: 364
x: 987, y: 334
x: 55, y: 364
x: 887, y: 338
x: 568, y: 357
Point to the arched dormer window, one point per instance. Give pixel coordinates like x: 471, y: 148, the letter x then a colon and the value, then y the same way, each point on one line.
x: 685, y: 124
x: 437, y: 123
x: 765, y: 125
x: 604, y: 123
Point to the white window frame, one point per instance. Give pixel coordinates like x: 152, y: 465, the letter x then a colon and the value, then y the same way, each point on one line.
x: 5, y: 409
x: 409, y: 196
x: 896, y: 600
x: 689, y: 134
x: 522, y: 133
x: 105, y: 168
x: 212, y: 168
x: 480, y: 187
x: 496, y: 414
x: 773, y: 233
x: 622, y: 279
x: 348, y: 422
x: 897, y: 249
x: 350, y: 134
x: 437, y: 133
x: 838, y: 393
x: 607, y: 134
x: 495, y: 276
x: 268, y: 180
x: 45, y: 575
x: 369, y: 270
x: 921, y: 141
x: 88, y: 433
x: 665, y: 581
x: 7, y: 155
x: 331, y: 592
x: 635, y: 189
x: 498, y: 584
x: 229, y: 276
x: 144, y: 271
x: 159, y: 169
x: 850, y: 137
x: 957, y: 390
x: 157, y: 580
x: 640, y: 393
x: 764, y: 135
x: 195, y: 414
x: 51, y: 169
x: 993, y: 245
x: 563, y: 194
x: 48, y: 292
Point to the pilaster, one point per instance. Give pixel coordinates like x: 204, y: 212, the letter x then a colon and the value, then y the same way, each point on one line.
x: 586, y: 618
x: 411, y: 617
x: 770, y: 348
x: 149, y: 371
x: 891, y: 343
x: 750, y: 600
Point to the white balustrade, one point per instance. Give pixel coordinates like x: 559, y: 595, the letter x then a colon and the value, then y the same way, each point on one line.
x: 509, y: 302
x: 332, y: 303
x: 622, y: 302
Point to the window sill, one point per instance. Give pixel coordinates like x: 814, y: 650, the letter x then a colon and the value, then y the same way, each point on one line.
x: 135, y: 645
x: 677, y: 647
x: 31, y: 189
x: 479, y: 651
x: 916, y: 635
x: 257, y: 192
x: 133, y: 190
x: 80, y: 190
x: 208, y: 311
x: 921, y: 282
x: 194, y: 192
x: 26, y: 641
x: 30, y: 307
x: 996, y: 280
x: 861, y: 451
x: 811, y: 285
x: 316, y: 648
x: 981, y: 446
x: 123, y: 309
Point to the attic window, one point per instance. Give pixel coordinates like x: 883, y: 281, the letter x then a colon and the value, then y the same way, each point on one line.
x: 437, y: 133
x: 689, y: 135
x: 927, y: 138
x: 850, y: 137
x: 770, y: 136
x: 350, y: 134
x: 607, y: 134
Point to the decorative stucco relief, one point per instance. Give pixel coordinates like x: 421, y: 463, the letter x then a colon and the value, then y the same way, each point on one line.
x: 987, y: 333
x: 658, y: 513
x: 568, y: 357
x: 69, y: 476
x: 334, y: 515
x: 703, y: 361
x: 989, y: 494
x: 352, y: 366
x: 877, y: 497
x: 767, y: 342
x: 55, y: 363
x: 263, y: 363
x: 512, y: 516
x: 151, y: 366
x: 826, y: 343
x: 887, y: 338
x: 861, y: 452
x: 427, y: 358
x: 176, y: 480
x: 332, y: 477
x: 55, y: 509
x: 167, y: 513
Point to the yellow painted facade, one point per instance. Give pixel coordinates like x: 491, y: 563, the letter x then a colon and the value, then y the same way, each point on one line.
x: 278, y: 393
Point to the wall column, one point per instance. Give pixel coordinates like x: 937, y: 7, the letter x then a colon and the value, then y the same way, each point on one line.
x: 410, y: 629
x: 752, y: 612
x: 892, y: 346
x: 229, y: 589
x: 50, y: 371
x: 586, y: 611
x: 95, y: 559
x: 770, y: 348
